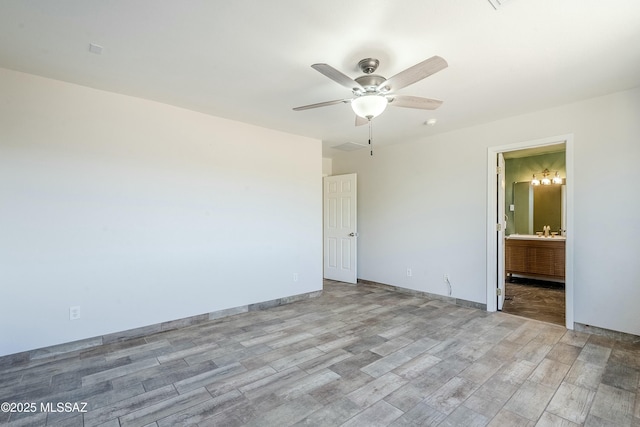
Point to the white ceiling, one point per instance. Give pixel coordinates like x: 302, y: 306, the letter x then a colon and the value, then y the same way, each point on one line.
x: 249, y: 60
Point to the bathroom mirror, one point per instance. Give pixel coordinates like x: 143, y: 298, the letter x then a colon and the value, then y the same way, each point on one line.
x: 535, y: 206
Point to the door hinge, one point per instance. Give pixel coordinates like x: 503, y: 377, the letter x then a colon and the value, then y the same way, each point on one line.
x: 498, y: 227
x: 498, y: 170
x: 498, y: 291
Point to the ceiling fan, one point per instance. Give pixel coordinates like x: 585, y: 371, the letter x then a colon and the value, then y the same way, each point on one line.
x: 372, y: 93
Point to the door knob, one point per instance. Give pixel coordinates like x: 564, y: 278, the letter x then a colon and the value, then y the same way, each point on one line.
x: 353, y: 234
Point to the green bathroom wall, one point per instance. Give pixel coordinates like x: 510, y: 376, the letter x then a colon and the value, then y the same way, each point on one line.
x: 521, y: 169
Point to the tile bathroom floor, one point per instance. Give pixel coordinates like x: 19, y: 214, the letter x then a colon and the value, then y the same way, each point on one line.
x: 535, y: 299
x: 357, y: 355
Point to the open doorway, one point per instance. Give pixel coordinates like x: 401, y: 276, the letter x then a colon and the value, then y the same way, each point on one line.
x: 535, y: 233
x: 501, y: 222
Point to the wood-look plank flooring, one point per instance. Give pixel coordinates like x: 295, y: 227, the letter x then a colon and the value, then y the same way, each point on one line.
x: 357, y: 355
x: 535, y: 299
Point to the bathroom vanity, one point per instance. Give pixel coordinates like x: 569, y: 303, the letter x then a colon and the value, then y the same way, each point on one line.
x: 535, y: 256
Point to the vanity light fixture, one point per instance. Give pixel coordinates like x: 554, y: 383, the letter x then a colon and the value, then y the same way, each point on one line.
x: 545, y: 178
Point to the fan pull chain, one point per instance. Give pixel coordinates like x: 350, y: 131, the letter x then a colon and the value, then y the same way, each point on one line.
x: 370, y: 146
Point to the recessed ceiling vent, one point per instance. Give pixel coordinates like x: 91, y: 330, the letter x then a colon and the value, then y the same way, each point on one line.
x: 95, y: 48
x: 497, y: 3
x: 349, y: 146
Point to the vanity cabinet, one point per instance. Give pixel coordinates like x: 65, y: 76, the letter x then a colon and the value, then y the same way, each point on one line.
x: 538, y: 257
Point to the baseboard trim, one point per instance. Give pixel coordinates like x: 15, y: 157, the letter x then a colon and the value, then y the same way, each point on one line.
x: 61, y: 349
x: 610, y: 333
x: 144, y: 331
x: 451, y: 300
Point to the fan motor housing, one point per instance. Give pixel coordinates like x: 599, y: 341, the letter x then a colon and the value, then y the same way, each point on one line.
x: 370, y: 81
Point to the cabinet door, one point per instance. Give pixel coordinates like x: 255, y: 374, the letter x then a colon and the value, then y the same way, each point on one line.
x: 541, y: 261
x: 517, y: 259
x: 559, y: 262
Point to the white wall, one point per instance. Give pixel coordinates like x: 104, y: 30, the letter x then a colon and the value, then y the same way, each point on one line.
x: 326, y: 166
x: 423, y: 205
x: 141, y: 213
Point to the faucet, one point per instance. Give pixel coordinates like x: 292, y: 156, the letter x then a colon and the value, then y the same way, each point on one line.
x: 546, y: 229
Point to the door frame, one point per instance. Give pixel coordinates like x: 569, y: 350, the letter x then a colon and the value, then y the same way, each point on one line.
x: 500, y: 214
x: 492, y: 201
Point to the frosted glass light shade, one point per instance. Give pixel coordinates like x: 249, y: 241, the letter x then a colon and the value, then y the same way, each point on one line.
x: 369, y: 106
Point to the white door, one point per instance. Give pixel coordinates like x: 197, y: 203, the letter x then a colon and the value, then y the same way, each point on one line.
x: 340, y: 228
x: 501, y: 225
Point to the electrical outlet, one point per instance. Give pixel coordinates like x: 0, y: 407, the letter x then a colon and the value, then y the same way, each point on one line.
x: 74, y: 312
x: 295, y: 277
x: 409, y: 272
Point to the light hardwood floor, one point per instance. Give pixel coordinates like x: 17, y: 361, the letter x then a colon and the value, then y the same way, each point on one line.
x: 357, y: 355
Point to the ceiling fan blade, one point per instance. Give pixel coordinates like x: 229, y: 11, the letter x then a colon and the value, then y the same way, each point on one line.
x: 413, y: 74
x: 338, y: 76
x: 321, y: 104
x: 361, y: 121
x: 414, y: 102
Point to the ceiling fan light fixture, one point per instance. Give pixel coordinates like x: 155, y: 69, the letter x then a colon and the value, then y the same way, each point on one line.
x: 369, y: 106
